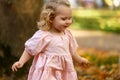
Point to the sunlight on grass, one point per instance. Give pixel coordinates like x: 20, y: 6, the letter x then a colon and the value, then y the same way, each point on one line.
x: 86, y: 13
x: 95, y: 13
x: 105, y: 20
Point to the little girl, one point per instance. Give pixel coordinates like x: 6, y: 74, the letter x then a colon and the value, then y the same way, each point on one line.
x: 53, y: 46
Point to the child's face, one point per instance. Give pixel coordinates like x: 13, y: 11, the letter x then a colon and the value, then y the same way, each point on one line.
x: 63, y: 18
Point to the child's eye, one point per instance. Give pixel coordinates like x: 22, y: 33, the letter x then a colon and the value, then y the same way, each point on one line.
x: 63, y: 18
x: 70, y: 18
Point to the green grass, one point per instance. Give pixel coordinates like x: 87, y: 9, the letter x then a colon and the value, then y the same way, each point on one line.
x: 105, y: 20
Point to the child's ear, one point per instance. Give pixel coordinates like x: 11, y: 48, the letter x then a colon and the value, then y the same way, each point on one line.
x: 51, y: 20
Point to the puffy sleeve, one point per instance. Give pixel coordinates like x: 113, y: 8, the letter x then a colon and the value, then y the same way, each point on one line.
x: 73, y: 43
x: 37, y: 43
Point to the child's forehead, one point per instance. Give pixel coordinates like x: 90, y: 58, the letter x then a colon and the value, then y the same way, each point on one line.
x: 64, y: 11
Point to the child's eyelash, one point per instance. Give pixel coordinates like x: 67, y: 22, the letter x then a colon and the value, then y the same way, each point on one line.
x: 63, y: 18
x: 66, y: 18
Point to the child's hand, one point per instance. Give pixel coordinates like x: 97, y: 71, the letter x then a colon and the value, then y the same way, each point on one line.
x: 84, y: 62
x: 16, y: 65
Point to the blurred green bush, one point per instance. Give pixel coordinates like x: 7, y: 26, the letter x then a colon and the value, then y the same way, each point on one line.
x: 105, y: 20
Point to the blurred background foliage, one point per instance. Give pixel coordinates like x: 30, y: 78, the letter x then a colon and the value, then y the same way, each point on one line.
x: 97, y: 15
x: 18, y: 23
x: 103, y: 19
x: 104, y: 65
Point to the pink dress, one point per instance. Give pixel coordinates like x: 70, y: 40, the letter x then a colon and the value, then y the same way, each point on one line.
x: 52, y: 56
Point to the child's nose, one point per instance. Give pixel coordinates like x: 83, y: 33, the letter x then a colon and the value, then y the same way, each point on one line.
x: 68, y: 22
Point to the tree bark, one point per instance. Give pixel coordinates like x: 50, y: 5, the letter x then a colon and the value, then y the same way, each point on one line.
x: 18, y: 22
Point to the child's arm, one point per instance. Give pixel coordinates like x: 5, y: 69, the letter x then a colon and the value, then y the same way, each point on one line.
x: 83, y: 62
x: 23, y: 59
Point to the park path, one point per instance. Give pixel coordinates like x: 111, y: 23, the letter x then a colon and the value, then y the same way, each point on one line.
x: 98, y: 40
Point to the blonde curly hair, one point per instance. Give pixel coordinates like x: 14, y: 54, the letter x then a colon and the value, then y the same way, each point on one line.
x: 48, y: 13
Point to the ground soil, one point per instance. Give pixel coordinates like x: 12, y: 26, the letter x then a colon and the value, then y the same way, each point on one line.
x: 98, y: 40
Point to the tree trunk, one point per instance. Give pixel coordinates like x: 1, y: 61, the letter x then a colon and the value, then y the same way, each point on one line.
x: 18, y: 22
